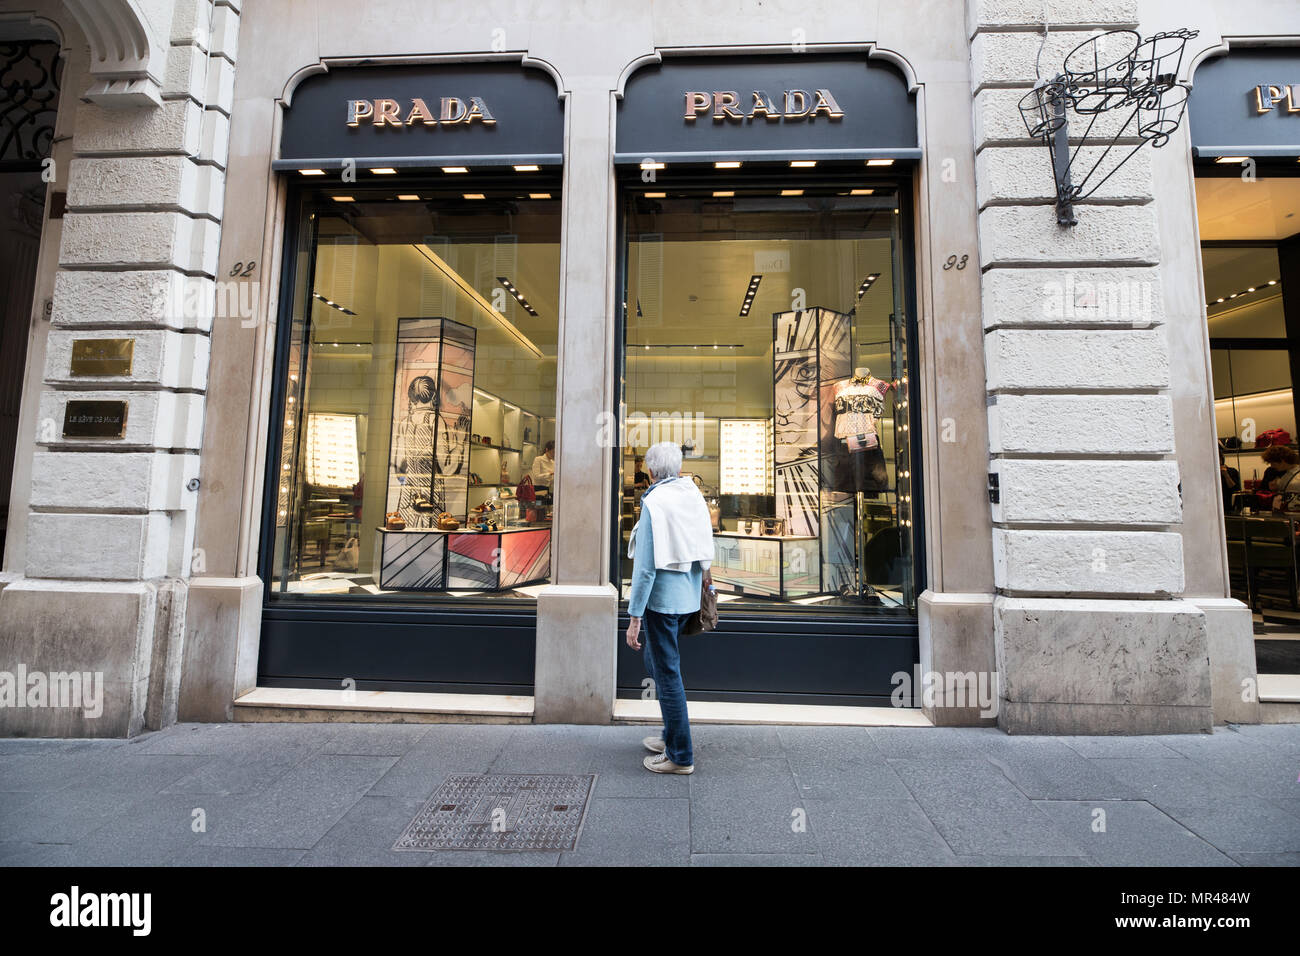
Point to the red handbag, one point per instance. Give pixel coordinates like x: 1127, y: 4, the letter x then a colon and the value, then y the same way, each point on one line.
x: 525, y: 490
x: 1274, y: 436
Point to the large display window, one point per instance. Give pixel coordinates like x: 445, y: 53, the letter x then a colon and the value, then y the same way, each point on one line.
x: 416, y: 450
x: 1250, y: 255
x: 766, y: 331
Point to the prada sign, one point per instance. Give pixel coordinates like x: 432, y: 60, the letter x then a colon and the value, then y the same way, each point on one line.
x: 389, y: 112
x: 699, y: 109
x: 1235, y: 110
x: 790, y: 105
x: 481, y: 114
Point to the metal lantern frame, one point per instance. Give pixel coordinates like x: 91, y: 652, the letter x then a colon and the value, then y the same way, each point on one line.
x: 1113, y: 71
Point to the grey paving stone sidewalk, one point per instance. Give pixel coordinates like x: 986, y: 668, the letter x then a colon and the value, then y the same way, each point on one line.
x: 341, y: 794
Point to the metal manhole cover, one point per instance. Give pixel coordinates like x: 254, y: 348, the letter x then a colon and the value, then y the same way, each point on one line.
x: 501, y: 811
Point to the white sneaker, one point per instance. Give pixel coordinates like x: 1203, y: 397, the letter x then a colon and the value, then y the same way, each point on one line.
x: 661, y: 764
x: 655, y: 745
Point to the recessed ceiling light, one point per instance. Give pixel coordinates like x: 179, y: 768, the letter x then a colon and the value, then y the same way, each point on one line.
x: 861, y: 192
x: 880, y: 162
x: 474, y: 196
x: 1272, y: 282
x: 312, y: 172
x: 407, y: 196
x: 539, y: 195
x: 802, y: 163
x: 655, y: 195
x: 1231, y: 159
x: 791, y: 192
x: 455, y: 169
x: 343, y: 199
x: 527, y: 168
x: 1219, y: 299
x: 1251, y: 289
x: 729, y: 164
x: 723, y: 193
x: 384, y: 171
x: 651, y: 164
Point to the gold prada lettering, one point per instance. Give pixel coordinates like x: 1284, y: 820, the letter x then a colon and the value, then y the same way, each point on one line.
x: 420, y: 114
x: 724, y: 107
x: 764, y: 107
x: 1269, y: 97
x: 386, y: 112
x: 730, y: 106
x: 696, y: 103
x: 358, y: 110
x: 451, y: 110
x: 826, y: 103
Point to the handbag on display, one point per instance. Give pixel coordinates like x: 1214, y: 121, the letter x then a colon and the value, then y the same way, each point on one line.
x: 524, y: 492
x: 350, y: 556
x: 706, y: 618
x: 1274, y: 436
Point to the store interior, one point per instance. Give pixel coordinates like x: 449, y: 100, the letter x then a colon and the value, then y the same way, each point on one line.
x: 1250, y: 235
x: 761, y: 319
x: 420, y: 394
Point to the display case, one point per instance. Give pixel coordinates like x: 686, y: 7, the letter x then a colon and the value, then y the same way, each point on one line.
x: 774, y: 567
x: 431, y: 560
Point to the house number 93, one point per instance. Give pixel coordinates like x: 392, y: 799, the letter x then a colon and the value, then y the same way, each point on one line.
x: 952, y: 261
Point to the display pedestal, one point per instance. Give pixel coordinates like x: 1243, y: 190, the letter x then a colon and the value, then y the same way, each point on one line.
x: 432, y: 560
x: 783, y: 567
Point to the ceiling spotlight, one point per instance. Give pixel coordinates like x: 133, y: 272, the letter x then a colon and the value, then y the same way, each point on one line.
x: 539, y: 195
x: 730, y: 164
x: 517, y: 294
x: 880, y: 162
x: 312, y: 172
x: 474, y: 196
x: 749, y: 294
x: 655, y: 195
x: 384, y: 171
x: 343, y: 199
x: 861, y: 192
x: 651, y: 164
x: 1231, y: 159
x: 791, y: 192
x: 723, y: 193
x: 455, y: 169
x: 802, y: 163
x: 407, y: 196
x: 527, y: 168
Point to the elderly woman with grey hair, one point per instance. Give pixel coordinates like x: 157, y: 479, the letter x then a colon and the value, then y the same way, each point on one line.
x: 671, y: 550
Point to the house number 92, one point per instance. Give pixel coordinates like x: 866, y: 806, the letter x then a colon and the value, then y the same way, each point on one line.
x: 242, y: 270
x: 952, y: 261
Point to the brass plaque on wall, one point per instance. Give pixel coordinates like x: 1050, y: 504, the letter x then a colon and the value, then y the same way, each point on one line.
x: 102, y: 356
x: 94, y: 419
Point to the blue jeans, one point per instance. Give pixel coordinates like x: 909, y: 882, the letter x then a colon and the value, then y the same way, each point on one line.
x: 663, y: 664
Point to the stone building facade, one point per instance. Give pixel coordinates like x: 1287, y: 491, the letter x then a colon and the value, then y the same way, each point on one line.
x: 1069, y: 538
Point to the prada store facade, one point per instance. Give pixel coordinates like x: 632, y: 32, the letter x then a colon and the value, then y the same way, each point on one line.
x: 764, y: 322
x: 503, y: 252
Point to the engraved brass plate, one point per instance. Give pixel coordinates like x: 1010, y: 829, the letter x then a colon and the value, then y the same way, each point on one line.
x: 94, y: 419
x: 102, y: 356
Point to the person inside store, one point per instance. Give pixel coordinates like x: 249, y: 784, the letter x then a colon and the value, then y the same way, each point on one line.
x: 543, y: 469
x: 640, y: 479
x: 1280, y: 459
x: 1229, y: 478
x: 1286, y: 487
x: 671, y: 550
